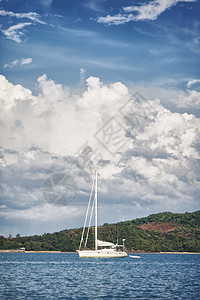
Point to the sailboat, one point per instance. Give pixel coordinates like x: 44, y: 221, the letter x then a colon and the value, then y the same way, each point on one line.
x: 102, y: 248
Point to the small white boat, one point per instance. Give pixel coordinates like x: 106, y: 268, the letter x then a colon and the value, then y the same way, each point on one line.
x: 134, y: 256
x: 111, y: 250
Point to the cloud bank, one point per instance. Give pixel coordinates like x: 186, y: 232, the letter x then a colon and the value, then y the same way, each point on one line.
x: 147, y: 156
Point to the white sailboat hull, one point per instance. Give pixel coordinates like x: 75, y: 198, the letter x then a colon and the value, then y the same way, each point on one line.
x: 101, y: 253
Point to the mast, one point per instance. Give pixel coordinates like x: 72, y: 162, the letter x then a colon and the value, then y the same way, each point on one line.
x: 96, y: 212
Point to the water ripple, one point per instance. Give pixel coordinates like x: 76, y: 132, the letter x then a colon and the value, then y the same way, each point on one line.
x: 66, y: 276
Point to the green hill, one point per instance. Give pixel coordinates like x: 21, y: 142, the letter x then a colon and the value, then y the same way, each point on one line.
x: 162, y: 232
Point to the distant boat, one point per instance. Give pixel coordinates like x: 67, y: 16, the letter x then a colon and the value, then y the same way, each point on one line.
x: 134, y: 256
x: 111, y: 250
x: 22, y: 249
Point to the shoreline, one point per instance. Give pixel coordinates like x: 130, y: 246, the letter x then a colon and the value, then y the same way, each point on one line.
x: 17, y: 251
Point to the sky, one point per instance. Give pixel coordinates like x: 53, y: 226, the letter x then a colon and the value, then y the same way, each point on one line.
x: 106, y: 85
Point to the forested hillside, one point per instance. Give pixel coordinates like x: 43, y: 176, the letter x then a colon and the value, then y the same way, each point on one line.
x: 160, y: 232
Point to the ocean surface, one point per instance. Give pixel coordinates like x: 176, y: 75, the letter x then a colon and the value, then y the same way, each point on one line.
x: 66, y: 276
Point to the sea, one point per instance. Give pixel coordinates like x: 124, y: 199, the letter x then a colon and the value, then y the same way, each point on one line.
x: 66, y: 276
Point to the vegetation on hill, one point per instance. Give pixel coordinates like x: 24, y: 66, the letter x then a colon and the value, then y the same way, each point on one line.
x: 162, y: 232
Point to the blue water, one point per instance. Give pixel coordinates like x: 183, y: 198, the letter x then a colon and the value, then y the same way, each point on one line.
x: 66, y: 276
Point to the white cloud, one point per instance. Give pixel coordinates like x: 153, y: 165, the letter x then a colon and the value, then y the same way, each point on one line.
x: 153, y: 9
x: 11, y: 64
x: 45, y: 212
x: 33, y: 16
x: 148, y: 11
x: 26, y: 61
x: 11, y: 95
x: 23, y: 61
x: 116, y: 20
x: 15, y: 32
x: 42, y: 134
x: 188, y: 99
x: 192, y: 82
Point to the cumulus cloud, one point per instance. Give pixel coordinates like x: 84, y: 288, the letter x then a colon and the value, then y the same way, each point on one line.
x: 192, y: 82
x: 11, y: 95
x: 147, y: 11
x: 147, y: 156
x: 189, y: 98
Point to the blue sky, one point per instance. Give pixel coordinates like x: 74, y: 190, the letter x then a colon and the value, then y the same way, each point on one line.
x: 67, y: 35
x: 71, y: 68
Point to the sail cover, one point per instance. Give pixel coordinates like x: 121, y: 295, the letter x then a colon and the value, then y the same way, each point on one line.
x: 102, y: 244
